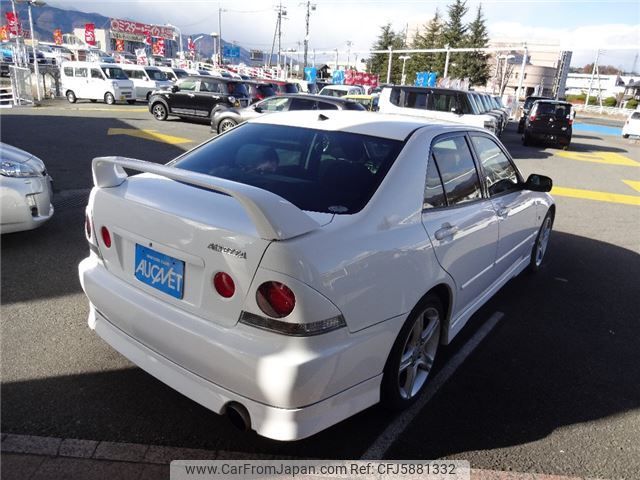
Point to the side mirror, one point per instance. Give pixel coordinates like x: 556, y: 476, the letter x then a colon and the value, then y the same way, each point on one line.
x: 538, y: 183
x: 175, y: 88
x: 257, y: 108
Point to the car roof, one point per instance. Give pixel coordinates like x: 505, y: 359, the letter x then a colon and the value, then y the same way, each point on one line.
x: 340, y: 87
x: 384, y: 125
x: 312, y: 96
x: 550, y: 100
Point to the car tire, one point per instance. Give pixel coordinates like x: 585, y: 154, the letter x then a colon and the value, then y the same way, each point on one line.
x: 131, y: 102
x: 542, y: 242
x: 226, y: 124
x: 411, y: 359
x: 71, y: 97
x: 109, y: 99
x: 625, y: 135
x: 159, y: 111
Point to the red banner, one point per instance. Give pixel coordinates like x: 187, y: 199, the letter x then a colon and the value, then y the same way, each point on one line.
x: 57, y: 36
x: 140, y: 29
x: 353, y: 77
x: 191, y: 45
x: 147, y: 38
x: 13, y: 24
x: 158, y: 47
x: 90, y: 33
x: 119, y: 45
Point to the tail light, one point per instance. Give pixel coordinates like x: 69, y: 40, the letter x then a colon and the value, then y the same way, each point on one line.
x: 532, y: 117
x: 106, y: 237
x: 275, y: 299
x: 224, y: 284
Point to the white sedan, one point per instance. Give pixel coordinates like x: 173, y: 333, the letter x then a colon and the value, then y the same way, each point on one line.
x: 304, y: 266
x: 25, y: 190
x: 632, y: 125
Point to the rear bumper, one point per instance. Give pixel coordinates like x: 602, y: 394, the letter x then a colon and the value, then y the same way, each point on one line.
x: 292, y: 387
x: 562, y: 138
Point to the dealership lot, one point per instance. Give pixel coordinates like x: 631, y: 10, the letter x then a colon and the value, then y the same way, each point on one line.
x: 551, y: 388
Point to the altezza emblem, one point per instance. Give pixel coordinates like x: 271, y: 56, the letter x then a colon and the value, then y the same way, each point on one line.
x: 229, y: 251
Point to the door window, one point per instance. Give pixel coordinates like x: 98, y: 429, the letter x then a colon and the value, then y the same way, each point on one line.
x: 95, y: 73
x: 457, y: 169
x: 500, y: 174
x: 276, y: 104
x: 433, y: 189
x: 81, y: 72
x: 444, y: 102
x: 212, y: 86
x: 326, y: 106
x: 302, y: 104
x: 186, y: 84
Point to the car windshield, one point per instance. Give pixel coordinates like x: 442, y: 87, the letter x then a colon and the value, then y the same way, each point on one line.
x: 114, y: 73
x: 316, y: 170
x: 156, y: 74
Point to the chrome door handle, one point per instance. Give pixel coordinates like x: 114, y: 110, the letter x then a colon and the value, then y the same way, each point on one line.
x: 503, y: 212
x: 447, y: 231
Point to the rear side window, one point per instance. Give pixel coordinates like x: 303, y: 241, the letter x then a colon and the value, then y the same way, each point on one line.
x: 457, y: 169
x: 416, y: 99
x: 326, y: 106
x: 443, y: 102
x: 68, y: 71
x: 302, y: 104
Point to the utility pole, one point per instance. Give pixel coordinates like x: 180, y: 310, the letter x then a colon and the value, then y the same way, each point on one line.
x: 349, y: 43
x: 521, y: 77
x: 389, y: 65
x: 220, y: 33
x: 593, y: 73
x: 310, y: 7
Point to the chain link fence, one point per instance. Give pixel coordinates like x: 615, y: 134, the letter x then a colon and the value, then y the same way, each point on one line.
x: 21, y: 85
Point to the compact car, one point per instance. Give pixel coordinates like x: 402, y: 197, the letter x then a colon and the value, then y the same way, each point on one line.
x: 632, y: 125
x: 224, y: 119
x: 304, y: 266
x: 526, y: 108
x: 25, y: 190
x: 549, y: 121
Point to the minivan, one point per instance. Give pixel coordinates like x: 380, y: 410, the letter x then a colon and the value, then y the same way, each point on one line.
x: 437, y: 103
x: 95, y: 81
x: 145, y: 80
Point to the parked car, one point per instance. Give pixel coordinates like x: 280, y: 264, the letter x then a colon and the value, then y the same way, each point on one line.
x: 341, y: 90
x: 125, y: 57
x: 95, y: 81
x: 145, y: 80
x: 549, y: 121
x: 25, y: 190
x: 526, y: 107
x: 198, y: 97
x: 225, y: 119
x: 457, y: 106
x: 260, y: 90
x: 632, y: 125
x: 486, y: 106
x: 173, y: 74
x: 302, y: 267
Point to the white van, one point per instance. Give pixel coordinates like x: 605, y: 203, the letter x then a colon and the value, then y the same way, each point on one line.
x: 146, y: 79
x: 95, y: 81
x: 173, y: 74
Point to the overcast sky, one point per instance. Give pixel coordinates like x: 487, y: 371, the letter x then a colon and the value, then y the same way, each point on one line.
x: 578, y: 25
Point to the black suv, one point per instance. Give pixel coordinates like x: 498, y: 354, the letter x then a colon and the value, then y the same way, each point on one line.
x: 198, y: 97
x: 549, y: 121
x: 526, y: 108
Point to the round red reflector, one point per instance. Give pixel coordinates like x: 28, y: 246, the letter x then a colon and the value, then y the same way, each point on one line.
x: 87, y: 226
x: 275, y: 299
x: 106, y: 237
x: 224, y: 284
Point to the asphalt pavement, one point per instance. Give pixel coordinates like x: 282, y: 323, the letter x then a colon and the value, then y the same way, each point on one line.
x: 552, y: 388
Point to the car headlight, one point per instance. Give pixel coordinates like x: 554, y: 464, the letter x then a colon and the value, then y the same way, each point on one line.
x: 9, y: 168
x: 115, y: 84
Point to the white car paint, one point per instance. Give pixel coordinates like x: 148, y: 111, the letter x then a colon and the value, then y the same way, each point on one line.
x: 143, y: 83
x: 25, y: 191
x: 363, y: 272
x: 632, y: 125
x: 87, y: 80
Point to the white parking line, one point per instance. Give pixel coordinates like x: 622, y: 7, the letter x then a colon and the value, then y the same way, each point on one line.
x: 379, y: 447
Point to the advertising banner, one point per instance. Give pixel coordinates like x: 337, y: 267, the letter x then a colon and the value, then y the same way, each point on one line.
x: 158, y: 47
x: 128, y: 30
x: 141, y: 55
x: 90, y: 33
x: 119, y: 45
x: 310, y: 74
x: 57, y: 36
x: 13, y: 24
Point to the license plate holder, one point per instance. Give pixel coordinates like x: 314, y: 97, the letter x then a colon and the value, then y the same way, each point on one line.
x: 159, y: 271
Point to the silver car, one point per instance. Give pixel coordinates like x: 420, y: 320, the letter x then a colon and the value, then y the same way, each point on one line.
x: 25, y: 190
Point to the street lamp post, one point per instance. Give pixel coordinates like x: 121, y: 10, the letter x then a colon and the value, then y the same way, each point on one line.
x: 34, y: 3
x: 216, y: 58
x: 404, y: 59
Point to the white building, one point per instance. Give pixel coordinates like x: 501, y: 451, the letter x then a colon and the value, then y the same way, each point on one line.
x: 606, y: 85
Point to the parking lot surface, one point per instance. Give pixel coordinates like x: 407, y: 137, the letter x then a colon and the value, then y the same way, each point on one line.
x: 552, y: 387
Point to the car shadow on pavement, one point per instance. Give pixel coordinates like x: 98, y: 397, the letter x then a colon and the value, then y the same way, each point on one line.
x: 554, y: 360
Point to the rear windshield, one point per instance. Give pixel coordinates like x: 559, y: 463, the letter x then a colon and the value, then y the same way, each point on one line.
x: 529, y: 101
x: 114, y: 73
x: 316, y: 170
x: 557, y: 109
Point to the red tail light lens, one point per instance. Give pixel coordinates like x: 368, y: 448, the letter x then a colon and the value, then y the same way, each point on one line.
x: 532, y: 118
x: 224, y: 284
x: 275, y: 299
x: 87, y: 226
x: 106, y: 237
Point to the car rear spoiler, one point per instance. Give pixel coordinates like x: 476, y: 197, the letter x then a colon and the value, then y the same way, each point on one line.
x: 274, y: 217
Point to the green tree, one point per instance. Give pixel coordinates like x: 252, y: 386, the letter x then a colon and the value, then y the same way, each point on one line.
x: 454, y: 35
x: 475, y: 65
x: 379, y: 61
x: 431, y: 38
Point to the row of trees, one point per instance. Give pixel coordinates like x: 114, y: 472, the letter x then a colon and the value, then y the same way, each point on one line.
x: 437, y: 33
